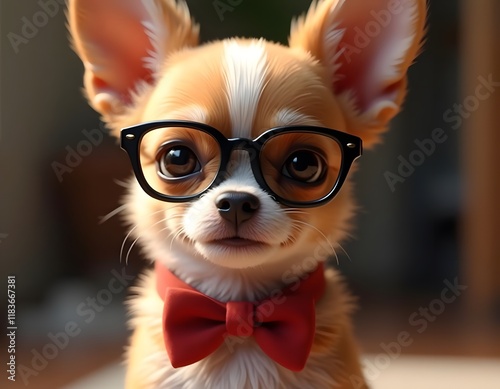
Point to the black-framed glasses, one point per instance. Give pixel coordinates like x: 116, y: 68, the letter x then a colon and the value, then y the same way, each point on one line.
x: 299, y: 166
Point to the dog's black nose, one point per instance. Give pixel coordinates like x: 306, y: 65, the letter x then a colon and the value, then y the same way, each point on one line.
x: 237, y: 207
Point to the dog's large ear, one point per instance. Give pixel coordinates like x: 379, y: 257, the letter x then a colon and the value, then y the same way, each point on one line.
x: 124, y: 43
x: 366, y: 47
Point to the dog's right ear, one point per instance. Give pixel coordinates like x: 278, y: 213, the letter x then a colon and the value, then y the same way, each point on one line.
x: 124, y: 43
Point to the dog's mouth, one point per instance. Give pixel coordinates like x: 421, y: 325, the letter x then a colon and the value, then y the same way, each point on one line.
x: 238, y: 242
x: 235, y: 252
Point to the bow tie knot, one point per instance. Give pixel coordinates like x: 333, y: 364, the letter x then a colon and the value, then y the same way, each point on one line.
x: 195, y: 325
x: 240, y: 318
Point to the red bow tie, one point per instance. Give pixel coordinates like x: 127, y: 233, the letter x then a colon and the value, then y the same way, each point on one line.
x: 195, y: 325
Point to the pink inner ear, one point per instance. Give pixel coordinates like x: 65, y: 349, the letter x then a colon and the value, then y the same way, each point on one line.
x: 112, y: 39
x: 372, y: 49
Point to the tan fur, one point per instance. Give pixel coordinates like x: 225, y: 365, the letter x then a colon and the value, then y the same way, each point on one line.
x: 154, y: 70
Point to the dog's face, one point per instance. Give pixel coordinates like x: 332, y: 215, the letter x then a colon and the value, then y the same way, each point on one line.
x: 238, y: 87
x: 146, y: 66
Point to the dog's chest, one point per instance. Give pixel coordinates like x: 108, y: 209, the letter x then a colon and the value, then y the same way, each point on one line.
x: 243, y: 366
x: 237, y: 363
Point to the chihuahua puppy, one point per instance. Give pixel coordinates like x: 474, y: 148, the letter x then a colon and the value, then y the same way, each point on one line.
x: 241, y: 150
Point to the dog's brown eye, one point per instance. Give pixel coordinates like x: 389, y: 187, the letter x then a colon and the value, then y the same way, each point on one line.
x: 305, y: 166
x: 178, y: 161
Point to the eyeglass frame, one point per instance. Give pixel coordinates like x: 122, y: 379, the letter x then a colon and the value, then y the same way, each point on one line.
x: 131, y: 137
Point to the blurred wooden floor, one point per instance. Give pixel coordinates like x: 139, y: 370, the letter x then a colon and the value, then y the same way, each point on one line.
x: 378, y: 328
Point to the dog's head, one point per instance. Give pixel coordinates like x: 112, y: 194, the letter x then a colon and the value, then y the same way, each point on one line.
x: 221, y: 186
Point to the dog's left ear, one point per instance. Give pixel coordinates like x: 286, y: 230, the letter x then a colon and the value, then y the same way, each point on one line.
x: 366, y: 47
x: 123, y: 43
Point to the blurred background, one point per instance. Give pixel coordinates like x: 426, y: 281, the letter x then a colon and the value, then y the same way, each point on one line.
x: 433, y: 232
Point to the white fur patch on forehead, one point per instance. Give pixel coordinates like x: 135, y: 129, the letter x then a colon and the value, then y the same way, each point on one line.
x: 239, y: 172
x: 245, y: 73
x: 290, y: 117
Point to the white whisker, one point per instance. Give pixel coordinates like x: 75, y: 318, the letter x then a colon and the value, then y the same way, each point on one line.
x: 125, y: 241
x: 318, y: 230
x: 294, y: 211
x: 336, y: 257
x: 132, y: 230
x: 105, y: 218
x: 130, y: 249
x: 175, y: 235
x: 345, y: 252
x: 123, y: 184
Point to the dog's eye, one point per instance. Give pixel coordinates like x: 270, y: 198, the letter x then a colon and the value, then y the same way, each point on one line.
x: 305, y: 166
x: 178, y: 161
